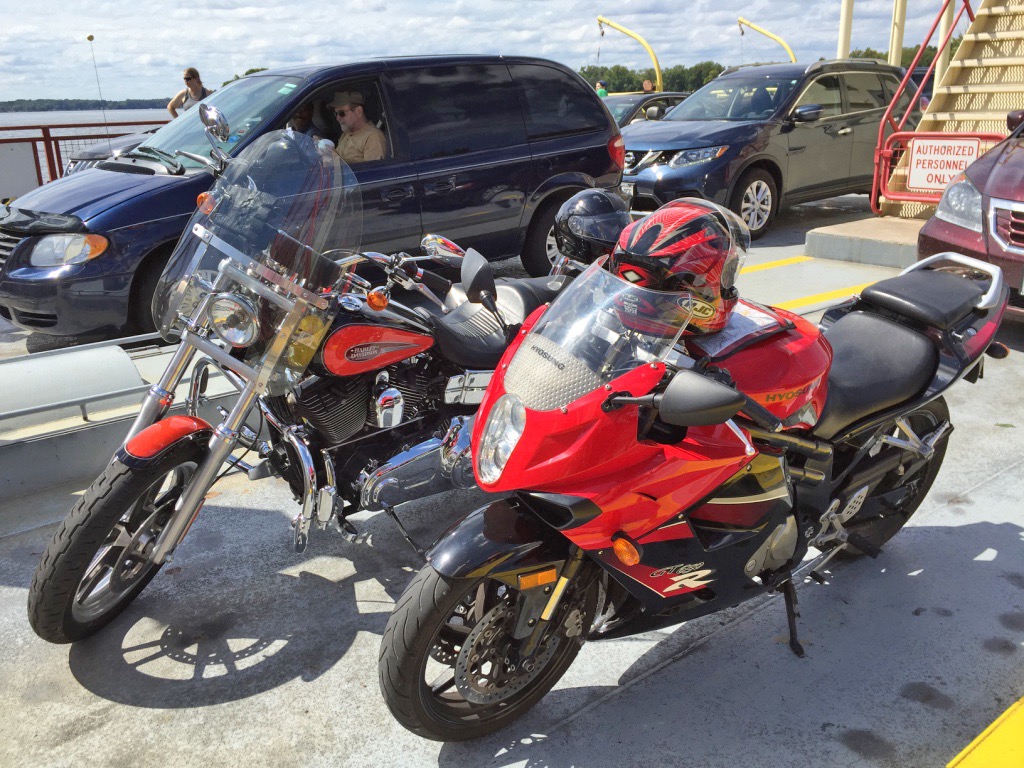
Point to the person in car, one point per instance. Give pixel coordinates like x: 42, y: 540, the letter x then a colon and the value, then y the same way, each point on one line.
x: 302, y: 121
x: 361, y: 140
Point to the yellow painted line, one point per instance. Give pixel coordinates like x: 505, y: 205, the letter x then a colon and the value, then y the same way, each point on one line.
x: 822, y: 298
x: 1001, y: 745
x: 774, y: 264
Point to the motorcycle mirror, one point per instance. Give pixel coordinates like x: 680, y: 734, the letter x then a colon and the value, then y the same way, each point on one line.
x: 216, y: 124
x: 442, y: 249
x: 477, y: 277
x: 694, y: 400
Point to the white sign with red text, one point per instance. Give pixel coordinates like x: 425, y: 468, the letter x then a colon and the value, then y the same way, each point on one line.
x: 934, y: 162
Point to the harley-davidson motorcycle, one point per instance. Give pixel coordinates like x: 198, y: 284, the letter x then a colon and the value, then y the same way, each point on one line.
x: 652, y: 481
x: 265, y: 288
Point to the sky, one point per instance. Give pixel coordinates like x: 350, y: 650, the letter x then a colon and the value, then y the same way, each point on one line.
x: 142, y: 46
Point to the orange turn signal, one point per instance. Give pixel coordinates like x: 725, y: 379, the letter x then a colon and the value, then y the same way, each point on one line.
x: 377, y: 299
x: 624, y: 549
x: 206, y: 203
x: 538, y: 578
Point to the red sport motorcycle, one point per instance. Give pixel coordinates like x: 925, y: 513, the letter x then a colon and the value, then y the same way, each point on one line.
x: 652, y: 481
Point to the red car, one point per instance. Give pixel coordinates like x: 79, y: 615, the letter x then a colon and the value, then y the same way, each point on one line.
x: 981, y: 213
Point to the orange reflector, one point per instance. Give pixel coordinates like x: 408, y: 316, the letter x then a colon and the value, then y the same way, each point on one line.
x: 377, y: 299
x: 538, y: 579
x: 205, y: 202
x: 95, y: 245
x: 625, y: 550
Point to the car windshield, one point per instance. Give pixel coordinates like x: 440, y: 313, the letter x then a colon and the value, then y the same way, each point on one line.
x: 249, y: 101
x: 619, y: 106
x: 736, y: 98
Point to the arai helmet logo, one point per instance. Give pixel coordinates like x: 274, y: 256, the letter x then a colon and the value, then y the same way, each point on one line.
x: 362, y: 352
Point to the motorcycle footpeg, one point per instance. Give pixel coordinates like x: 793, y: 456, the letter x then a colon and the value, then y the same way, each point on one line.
x: 865, y: 546
x: 262, y: 470
x: 346, y: 529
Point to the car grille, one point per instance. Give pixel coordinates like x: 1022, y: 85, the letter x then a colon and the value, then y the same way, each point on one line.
x: 7, y: 244
x: 75, y: 166
x: 1008, y: 224
x: 638, y: 159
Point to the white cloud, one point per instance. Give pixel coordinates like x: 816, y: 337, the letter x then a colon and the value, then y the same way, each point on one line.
x: 141, y: 48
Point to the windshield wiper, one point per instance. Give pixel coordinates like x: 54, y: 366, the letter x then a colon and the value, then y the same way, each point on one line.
x: 169, y: 160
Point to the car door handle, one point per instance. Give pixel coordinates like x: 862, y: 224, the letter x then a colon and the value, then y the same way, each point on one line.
x: 396, y: 194
x: 844, y: 131
x: 442, y: 187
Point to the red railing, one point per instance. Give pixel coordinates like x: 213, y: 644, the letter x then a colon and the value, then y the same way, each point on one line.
x: 889, y: 149
x: 52, y: 142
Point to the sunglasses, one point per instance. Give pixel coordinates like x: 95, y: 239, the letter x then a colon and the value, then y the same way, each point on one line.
x: 343, y: 111
x: 189, y: 77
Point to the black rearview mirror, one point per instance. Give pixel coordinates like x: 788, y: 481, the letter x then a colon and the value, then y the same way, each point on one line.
x: 693, y: 400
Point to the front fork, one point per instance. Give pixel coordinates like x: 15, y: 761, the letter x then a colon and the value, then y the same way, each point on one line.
x: 541, y: 604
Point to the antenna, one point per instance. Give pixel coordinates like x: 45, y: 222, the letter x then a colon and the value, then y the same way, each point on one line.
x: 103, y: 104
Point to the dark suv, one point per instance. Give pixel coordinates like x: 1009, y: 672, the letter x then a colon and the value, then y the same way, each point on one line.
x: 481, y: 149
x: 762, y: 135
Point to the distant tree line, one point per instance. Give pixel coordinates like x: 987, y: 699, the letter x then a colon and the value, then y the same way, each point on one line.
x: 247, y: 72
x: 677, y: 78
x: 66, y: 105
x: 909, y: 52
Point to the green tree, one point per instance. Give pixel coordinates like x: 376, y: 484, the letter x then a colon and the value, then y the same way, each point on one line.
x: 247, y: 72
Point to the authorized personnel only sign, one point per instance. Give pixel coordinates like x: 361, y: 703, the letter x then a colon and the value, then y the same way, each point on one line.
x: 933, y: 162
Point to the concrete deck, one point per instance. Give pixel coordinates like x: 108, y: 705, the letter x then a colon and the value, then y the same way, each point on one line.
x: 242, y: 652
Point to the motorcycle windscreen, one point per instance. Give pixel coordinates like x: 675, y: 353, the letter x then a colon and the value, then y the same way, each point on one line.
x: 268, y: 239
x: 598, y: 328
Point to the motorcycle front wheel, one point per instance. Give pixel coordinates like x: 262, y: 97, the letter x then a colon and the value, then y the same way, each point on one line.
x: 450, y: 669
x: 99, y: 559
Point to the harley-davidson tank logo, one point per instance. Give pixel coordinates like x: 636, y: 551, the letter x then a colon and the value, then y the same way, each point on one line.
x: 363, y: 352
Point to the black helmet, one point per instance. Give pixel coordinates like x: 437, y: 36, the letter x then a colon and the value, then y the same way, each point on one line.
x: 588, y: 224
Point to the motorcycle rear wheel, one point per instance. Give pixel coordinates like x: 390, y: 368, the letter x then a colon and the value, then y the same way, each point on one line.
x: 99, y: 558
x: 422, y: 644
x: 878, y: 529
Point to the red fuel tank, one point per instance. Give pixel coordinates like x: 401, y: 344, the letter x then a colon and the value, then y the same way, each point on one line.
x: 357, y: 348
x: 783, y: 367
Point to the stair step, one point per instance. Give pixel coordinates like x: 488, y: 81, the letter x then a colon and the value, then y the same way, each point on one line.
x: 988, y: 37
x: 965, y: 116
x: 1009, y: 61
x: 1000, y: 10
x: 980, y: 88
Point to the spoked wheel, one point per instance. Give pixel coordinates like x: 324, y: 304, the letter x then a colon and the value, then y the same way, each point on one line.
x: 889, y: 506
x: 100, y: 558
x: 450, y: 668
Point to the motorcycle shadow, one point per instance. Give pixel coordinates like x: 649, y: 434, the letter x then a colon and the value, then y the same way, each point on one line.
x: 909, y: 657
x: 238, y: 613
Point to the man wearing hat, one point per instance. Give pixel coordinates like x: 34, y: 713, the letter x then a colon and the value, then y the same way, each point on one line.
x: 602, y: 88
x: 360, y: 140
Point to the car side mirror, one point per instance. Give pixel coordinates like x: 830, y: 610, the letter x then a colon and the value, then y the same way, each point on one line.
x: 444, y: 250
x: 653, y: 113
x: 477, y: 277
x: 1014, y: 119
x: 693, y: 400
x: 808, y: 113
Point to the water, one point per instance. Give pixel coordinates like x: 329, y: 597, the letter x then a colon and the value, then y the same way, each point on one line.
x: 14, y: 119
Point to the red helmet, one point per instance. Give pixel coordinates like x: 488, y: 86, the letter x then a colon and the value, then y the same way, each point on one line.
x: 688, y: 246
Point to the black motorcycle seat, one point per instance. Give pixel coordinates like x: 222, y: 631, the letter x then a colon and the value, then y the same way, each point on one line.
x: 876, y: 364
x: 470, y: 336
x: 938, y: 299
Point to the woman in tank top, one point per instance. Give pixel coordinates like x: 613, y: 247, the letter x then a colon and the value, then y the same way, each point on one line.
x: 193, y: 93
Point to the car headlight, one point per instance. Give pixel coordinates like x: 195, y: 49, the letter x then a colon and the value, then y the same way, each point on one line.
x: 961, y: 204
x: 505, y: 426
x: 693, y: 156
x: 234, y: 319
x: 62, y: 250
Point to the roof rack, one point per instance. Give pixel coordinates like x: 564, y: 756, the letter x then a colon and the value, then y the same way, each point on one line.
x: 737, y: 67
x: 828, y: 63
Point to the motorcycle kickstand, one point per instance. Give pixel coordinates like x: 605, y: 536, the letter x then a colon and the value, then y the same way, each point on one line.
x: 789, y: 592
x: 405, y: 534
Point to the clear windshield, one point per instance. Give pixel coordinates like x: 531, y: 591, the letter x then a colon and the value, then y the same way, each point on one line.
x: 598, y: 328
x: 735, y: 98
x: 620, y: 105
x: 270, y: 233
x: 248, y: 101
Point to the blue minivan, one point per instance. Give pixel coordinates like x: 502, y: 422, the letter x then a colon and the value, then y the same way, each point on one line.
x: 481, y: 149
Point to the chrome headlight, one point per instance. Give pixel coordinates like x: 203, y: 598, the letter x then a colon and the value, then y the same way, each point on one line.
x: 63, y: 250
x: 504, y: 427
x: 961, y: 204
x: 693, y: 156
x: 234, y: 319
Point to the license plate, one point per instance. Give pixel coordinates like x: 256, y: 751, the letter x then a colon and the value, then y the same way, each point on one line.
x: 628, y: 188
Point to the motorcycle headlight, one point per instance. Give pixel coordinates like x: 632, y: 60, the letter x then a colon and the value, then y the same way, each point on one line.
x: 961, y: 204
x: 234, y: 319
x: 63, y: 250
x: 505, y: 426
x: 692, y: 156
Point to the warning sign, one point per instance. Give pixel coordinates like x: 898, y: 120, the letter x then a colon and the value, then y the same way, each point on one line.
x: 934, y: 162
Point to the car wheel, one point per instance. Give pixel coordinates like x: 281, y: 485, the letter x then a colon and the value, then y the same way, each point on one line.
x: 756, y: 200
x: 143, y: 287
x: 540, y: 251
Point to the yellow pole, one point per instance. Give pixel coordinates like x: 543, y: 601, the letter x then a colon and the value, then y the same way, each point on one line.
x: 635, y: 36
x: 845, y: 29
x: 943, y: 58
x: 766, y: 33
x: 899, y: 21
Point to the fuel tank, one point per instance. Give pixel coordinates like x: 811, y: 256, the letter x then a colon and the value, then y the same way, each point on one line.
x: 358, y: 347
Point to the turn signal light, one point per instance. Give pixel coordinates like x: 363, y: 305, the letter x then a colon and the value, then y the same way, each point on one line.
x: 625, y: 549
x: 537, y: 579
x: 206, y: 203
x: 377, y: 299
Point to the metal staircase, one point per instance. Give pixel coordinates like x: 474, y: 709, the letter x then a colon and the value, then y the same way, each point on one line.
x: 984, y: 81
